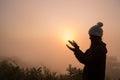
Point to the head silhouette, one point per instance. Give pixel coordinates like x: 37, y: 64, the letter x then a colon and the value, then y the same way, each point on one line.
x: 96, y: 30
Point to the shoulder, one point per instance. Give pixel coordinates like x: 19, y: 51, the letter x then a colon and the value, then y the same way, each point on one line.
x: 101, y: 48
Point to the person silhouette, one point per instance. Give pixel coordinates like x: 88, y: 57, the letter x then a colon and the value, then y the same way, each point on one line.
x: 94, y: 58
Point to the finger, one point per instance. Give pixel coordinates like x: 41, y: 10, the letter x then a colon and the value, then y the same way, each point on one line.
x: 71, y: 43
x: 74, y: 41
x: 75, y: 44
x: 70, y: 47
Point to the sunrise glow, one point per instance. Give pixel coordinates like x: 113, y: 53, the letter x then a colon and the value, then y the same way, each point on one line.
x: 35, y: 32
x: 67, y: 34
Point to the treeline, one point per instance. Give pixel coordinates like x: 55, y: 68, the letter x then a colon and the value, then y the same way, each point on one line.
x: 10, y: 71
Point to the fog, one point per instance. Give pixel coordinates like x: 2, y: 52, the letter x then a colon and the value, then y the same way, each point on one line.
x: 29, y: 30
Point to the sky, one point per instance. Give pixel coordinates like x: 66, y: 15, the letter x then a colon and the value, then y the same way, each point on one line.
x: 35, y: 32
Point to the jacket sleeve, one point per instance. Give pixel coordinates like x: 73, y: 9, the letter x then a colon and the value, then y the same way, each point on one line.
x: 80, y: 56
x: 91, y: 56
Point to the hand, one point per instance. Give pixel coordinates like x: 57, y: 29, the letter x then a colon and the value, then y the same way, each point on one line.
x: 74, y: 44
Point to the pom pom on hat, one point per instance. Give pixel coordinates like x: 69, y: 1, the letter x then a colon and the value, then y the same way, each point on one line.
x: 96, y: 30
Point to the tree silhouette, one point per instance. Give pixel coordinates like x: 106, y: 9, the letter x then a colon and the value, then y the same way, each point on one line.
x: 48, y: 75
x: 33, y: 73
x: 11, y: 71
x: 74, y: 73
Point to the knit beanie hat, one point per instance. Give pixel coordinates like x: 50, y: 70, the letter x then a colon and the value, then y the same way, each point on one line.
x: 96, y: 30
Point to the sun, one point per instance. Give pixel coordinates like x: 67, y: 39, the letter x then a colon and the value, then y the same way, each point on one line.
x: 67, y: 34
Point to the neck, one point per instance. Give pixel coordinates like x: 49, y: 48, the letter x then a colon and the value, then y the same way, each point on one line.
x: 95, y: 41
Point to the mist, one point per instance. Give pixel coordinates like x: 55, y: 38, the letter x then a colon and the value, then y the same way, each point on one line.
x: 29, y: 30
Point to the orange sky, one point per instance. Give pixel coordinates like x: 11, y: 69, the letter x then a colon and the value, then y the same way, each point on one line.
x: 34, y: 30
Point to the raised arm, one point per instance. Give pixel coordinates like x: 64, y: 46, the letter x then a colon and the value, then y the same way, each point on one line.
x: 78, y: 53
